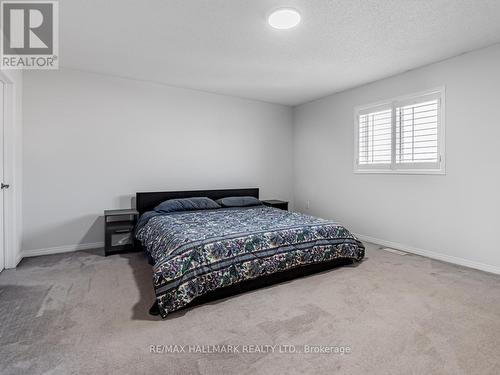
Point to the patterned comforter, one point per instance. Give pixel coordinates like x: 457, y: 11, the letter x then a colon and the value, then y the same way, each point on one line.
x: 199, y: 251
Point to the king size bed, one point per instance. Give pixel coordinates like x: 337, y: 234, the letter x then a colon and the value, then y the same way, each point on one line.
x: 209, y: 244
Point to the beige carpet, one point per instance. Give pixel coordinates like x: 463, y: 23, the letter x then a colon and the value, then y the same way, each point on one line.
x: 86, y: 314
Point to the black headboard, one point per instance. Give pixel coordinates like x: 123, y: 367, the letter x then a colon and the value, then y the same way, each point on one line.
x: 148, y: 201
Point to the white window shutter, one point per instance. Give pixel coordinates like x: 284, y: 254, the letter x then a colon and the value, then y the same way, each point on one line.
x: 374, y: 138
x: 417, y: 132
x: 403, y: 135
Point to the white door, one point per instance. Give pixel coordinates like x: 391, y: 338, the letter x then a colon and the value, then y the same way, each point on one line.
x: 2, y: 148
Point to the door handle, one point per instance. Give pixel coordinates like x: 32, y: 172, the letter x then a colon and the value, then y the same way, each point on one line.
x: 4, y: 186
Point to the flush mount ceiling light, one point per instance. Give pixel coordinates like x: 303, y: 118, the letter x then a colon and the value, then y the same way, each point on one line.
x: 284, y: 18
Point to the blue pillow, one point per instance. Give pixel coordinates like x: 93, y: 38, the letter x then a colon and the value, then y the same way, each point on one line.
x: 239, y: 201
x: 186, y: 204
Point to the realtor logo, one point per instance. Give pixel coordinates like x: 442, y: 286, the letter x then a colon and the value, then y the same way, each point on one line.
x: 30, y: 37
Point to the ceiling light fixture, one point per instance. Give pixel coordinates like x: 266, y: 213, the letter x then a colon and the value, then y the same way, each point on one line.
x: 284, y: 18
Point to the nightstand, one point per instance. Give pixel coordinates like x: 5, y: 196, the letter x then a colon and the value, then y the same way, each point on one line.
x: 119, y: 230
x: 282, y: 205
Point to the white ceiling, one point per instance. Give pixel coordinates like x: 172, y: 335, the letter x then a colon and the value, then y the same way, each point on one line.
x: 226, y: 46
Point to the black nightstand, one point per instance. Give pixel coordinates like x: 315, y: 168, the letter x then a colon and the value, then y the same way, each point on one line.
x: 282, y: 205
x: 119, y: 230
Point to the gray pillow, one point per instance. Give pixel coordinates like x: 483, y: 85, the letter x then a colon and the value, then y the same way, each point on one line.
x: 239, y: 201
x: 186, y: 204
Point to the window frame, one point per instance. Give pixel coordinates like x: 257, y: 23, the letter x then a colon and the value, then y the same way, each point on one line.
x: 403, y: 168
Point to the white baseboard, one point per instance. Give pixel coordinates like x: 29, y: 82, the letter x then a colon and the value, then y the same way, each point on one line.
x: 431, y: 254
x: 377, y: 241
x: 18, y: 260
x: 61, y: 249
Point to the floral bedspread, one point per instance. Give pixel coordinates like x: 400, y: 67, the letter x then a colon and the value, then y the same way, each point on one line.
x: 199, y: 251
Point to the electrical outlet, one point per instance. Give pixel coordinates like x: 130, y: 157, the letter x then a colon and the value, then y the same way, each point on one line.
x: 308, y: 204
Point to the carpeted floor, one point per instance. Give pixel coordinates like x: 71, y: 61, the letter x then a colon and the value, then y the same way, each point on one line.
x: 86, y: 314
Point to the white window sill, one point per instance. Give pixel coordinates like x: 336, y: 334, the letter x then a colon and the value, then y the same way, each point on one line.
x: 401, y: 171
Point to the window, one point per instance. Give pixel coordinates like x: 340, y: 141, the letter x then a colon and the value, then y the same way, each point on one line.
x: 403, y: 135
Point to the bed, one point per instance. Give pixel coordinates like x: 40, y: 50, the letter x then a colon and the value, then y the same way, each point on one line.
x: 201, y: 255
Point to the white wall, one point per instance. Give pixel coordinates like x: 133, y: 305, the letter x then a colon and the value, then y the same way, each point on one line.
x: 452, y: 217
x: 92, y: 141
